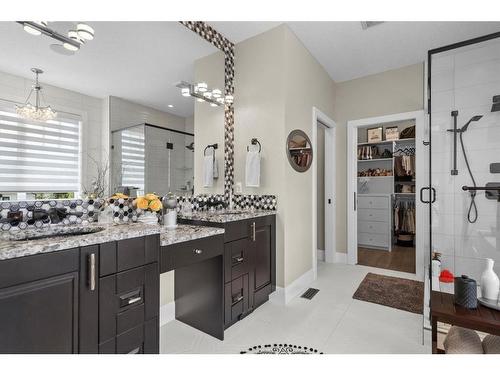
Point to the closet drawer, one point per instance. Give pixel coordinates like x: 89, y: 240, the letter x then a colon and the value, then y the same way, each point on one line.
x: 366, y: 214
x: 375, y: 227
x: 370, y: 239
x: 375, y: 202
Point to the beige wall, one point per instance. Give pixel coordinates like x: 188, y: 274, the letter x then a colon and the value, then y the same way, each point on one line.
x: 394, y: 91
x: 259, y: 112
x: 308, y: 85
x: 277, y: 84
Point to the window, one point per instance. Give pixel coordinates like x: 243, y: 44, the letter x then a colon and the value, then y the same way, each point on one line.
x: 38, y: 158
x: 132, y: 157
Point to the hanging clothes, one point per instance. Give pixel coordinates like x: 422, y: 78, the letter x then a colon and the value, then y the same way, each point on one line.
x: 404, y: 217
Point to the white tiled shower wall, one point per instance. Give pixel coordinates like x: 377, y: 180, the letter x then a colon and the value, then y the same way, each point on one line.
x: 465, y: 79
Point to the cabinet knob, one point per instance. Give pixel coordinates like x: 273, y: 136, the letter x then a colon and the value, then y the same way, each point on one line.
x: 197, y: 251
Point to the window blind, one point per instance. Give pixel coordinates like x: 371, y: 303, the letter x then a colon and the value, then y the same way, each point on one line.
x: 39, y: 156
x: 132, y: 159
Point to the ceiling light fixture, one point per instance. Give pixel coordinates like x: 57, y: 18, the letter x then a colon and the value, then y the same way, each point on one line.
x: 33, y: 31
x: 36, y: 112
x: 85, y: 31
x: 170, y: 106
x: 201, y: 92
x: 72, y: 42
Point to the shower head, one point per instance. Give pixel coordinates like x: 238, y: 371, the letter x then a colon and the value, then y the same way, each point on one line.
x: 474, y: 118
x: 495, y: 107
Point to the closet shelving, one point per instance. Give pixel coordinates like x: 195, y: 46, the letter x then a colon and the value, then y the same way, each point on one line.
x: 376, y: 187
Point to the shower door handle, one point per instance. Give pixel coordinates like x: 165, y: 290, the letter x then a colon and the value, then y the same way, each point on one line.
x: 432, y: 194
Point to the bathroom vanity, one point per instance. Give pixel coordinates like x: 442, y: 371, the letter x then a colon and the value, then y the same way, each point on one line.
x: 99, y: 292
x: 249, y: 258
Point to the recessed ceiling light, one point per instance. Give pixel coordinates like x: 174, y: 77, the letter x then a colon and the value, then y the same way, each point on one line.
x: 170, y: 106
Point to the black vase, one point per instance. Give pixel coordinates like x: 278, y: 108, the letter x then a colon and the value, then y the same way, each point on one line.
x: 466, y: 292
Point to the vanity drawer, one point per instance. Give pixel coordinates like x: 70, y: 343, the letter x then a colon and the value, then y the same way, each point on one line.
x: 236, y: 230
x: 375, y: 202
x: 236, y: 299
x: 127, y: 299
x: 375, y: 227
x: 365, y: 214
x: 126, y: 254
x: 186, y: 253
x: 143, y: 338
x: 236, y: 260
x: 370, y: 239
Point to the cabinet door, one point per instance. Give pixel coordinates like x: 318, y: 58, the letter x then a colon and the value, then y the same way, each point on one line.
x: 40, y: 316
x: 261, y: 238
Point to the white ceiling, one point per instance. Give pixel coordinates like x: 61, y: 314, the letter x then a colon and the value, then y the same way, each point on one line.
x: 142, y: 61
x: 346, y: 51
x: 137, y: 61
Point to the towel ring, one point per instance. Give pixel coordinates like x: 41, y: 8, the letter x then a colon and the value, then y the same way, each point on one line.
x: 214, y: 146
x: 255, y: 141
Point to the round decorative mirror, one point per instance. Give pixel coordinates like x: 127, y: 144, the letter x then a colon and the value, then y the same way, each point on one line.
x: 299, y: 150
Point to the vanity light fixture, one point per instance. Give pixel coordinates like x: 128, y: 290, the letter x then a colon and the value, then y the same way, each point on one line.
x: 75, y: 39
x: 201, y: 92
x: 36, y: 112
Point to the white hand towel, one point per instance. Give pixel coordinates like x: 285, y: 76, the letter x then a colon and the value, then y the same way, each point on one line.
x: 216, y: 166
x: 252, y: 173
x: 208, y: 171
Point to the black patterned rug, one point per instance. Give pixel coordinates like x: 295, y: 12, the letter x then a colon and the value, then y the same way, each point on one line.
x: 280, y: 349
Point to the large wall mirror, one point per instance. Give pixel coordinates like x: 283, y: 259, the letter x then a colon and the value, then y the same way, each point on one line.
x: 128, y: 103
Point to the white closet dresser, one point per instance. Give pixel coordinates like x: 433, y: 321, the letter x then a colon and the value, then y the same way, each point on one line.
x: 374, y: 221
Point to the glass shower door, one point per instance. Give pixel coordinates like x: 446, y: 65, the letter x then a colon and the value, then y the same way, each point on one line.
x: 464, y: 226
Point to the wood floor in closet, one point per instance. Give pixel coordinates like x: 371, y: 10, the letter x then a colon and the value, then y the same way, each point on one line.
x: 399, y: 259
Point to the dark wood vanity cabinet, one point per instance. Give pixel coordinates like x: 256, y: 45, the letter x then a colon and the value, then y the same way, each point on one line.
x: 249, y: 266
x: 39, y: 300
x: 94, y: 299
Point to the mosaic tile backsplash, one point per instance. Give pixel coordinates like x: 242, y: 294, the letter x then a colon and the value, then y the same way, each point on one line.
x: 20, y: 215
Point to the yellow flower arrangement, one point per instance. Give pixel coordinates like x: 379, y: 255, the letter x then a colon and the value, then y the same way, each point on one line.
x: 149, y: 202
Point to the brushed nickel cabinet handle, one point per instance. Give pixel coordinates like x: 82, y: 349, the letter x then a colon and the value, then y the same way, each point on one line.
x: 134, y: 300
x: 253, y: 231
x: 238, y: 299
x: 238, y: 259
x: 197, y: 251
x: 91, y: 271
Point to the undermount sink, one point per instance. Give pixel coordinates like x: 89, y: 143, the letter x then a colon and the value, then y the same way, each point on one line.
x: 36, y: 234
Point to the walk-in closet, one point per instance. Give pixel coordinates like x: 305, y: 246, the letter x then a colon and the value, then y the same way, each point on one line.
x: 386, y: 185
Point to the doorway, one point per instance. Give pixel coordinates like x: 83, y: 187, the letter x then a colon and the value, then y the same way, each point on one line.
x: 385, y: 225
x: 323, y: 181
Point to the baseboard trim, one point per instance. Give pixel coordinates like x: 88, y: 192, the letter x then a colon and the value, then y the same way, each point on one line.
x: 167, y: 313
x: 340, y: 257
x: 320, y: 255
x: 283, y: 296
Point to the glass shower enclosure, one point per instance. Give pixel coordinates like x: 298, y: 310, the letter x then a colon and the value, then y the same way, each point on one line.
x: 152, y: 159
x: 464, y: 145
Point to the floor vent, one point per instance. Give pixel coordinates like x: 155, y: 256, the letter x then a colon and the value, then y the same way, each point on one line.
x: 310, y: 293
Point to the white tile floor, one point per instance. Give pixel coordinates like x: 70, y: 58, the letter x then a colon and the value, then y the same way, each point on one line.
x: 331, y: 322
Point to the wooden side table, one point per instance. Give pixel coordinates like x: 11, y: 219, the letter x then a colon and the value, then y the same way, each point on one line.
x: 444, y: 310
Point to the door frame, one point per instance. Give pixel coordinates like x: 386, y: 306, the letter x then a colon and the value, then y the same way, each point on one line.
x: 352, y: 186
x: 330, y: 166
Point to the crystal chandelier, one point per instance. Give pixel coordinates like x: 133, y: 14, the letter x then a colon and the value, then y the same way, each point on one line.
x: 36, y: 112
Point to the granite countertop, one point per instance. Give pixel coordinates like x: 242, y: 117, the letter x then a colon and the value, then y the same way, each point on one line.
x: 225, y: 216
x: 10, y: 249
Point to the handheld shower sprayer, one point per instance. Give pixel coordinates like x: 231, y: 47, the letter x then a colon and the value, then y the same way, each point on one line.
x: 472, y: 214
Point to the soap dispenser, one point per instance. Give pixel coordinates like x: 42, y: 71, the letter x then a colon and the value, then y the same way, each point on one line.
x: 169, y: 211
